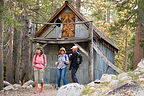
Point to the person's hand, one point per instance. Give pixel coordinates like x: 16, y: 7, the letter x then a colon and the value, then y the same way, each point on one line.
x: 70, y: 55
x: 56, y: 63
x: 64, y: 61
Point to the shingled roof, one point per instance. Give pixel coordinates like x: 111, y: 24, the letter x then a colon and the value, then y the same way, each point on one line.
x: 97, y: 34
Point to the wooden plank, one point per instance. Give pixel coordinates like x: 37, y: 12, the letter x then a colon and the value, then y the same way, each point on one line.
x: 90, y: 58
x: 82, y: 22
x: 49, y: 31
x: 107, y: 69
x: 81, y: 49
x: 106, y: 60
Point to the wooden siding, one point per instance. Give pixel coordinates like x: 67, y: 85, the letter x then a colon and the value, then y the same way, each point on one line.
x: 81, y: 30
x: 51, y: 51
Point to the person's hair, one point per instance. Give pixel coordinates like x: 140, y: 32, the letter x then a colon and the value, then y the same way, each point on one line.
x: 62, y: 48
x: 41, y: 49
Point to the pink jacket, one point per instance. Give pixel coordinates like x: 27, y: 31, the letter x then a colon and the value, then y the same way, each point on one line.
x: 40, y: 59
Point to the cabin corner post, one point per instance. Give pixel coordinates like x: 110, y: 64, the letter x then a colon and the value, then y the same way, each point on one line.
x: 90, y: 57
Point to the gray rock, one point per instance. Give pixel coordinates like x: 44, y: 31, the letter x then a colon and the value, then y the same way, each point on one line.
x: 140, y: 66
x: 105, y: 78
x: 121, y: 75
x: 130, y: 88
x: 72, y: 89
x: 91, y: 84
x: 9, y: 87
x: 97, y: 93
x: 30, y: 82
x: 125, y: 78
x: 17, y: 86
x: 113, y: 82
x: 6, y: 83
x: 141, y: 79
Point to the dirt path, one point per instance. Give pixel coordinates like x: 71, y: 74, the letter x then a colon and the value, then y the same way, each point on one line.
x: 29, y: 92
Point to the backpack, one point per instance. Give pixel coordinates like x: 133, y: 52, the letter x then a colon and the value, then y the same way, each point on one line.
x: 79, y: 58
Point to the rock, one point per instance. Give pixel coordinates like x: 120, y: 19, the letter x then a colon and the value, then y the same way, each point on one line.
x: 6, y: 83
x: 125, y: 78
x: 30, y: 82
x: 50, y: 86
x: 122, y: 75
x: 141, y: 76
x: 130, y: 88
x: 72, y: 89
x: 105, y: 78
x: 17, y: 86
x: 113, y: 82
x: 9, y: 87
x: 92, y: 84
x: 140, y: 66
x: 97, y: 93
x: 141, y: 79
x: 136, y: 73
x: 114, y: 77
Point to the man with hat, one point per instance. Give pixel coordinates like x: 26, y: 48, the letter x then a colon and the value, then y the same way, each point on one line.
x: 74, y: 65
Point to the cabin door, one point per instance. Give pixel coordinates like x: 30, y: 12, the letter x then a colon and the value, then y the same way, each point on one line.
x: 68, y: 29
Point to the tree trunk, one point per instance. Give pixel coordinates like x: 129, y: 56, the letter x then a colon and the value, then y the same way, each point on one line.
x: 26, y: 73
x: 78, y: 5
x: 9, y: 57
x: 1, y: 46
x: 139, y: 50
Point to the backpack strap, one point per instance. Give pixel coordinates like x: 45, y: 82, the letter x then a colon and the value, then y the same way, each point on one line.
x: 35, y: 58
x: 44, y: 59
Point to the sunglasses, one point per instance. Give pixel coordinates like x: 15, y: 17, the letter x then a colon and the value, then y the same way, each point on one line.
x: 62, y: 50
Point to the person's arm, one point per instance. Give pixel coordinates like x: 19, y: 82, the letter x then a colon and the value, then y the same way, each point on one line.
x: 45, y: 62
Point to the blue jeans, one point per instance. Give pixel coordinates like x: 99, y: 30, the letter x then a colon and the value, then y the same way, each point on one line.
x: 61, y: 74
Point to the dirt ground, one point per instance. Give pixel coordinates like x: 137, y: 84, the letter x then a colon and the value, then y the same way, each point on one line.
x: 29, y: 92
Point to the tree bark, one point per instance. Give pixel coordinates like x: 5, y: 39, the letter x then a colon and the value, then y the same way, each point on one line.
x: 1, y: 46
x: 139, y: 50
x: 9, y: 57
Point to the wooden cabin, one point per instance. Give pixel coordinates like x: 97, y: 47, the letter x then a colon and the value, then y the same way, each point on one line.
x: 68, y: 27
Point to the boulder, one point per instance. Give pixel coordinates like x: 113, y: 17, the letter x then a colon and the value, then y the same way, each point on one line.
x: 9, y: 87
x: 114, y: 77
x: 30, y: 82
x: 113, y: 82
x: 105, y: 78
x: 97, y: 93
x: 140, y: 66
x: 17, y: 86
x: 6, y: 83
x: 92, y: 84
x: 125, y: 78
x: 72, y: 89
x: 141, y: 79
x: 130, y: 88
x: 122, y: 75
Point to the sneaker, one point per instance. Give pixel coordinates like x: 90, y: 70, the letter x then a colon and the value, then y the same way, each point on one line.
x: 36, y: 91
x: 41, y: 89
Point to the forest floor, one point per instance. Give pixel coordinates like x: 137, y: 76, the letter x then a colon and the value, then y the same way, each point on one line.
x: 30, y: 92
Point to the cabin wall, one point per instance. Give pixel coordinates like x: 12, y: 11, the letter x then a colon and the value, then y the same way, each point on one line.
x: 100, y: 66
x: 81, y: 30
x: 51, y: 51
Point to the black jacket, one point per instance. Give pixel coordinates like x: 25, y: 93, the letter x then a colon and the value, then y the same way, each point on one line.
x: 73, y: 59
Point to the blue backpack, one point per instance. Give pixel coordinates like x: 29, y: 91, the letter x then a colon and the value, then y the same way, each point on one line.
x: 65, y: 58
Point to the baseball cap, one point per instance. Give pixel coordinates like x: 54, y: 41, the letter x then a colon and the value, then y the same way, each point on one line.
x: 74, y: 47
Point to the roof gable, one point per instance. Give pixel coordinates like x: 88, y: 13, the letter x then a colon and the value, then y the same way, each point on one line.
x: 97, y: 33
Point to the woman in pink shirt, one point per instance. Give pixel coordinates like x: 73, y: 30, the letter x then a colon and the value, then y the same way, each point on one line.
x: 39, y: 64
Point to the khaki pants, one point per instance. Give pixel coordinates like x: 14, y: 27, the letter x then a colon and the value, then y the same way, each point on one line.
x: 40, y: 72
